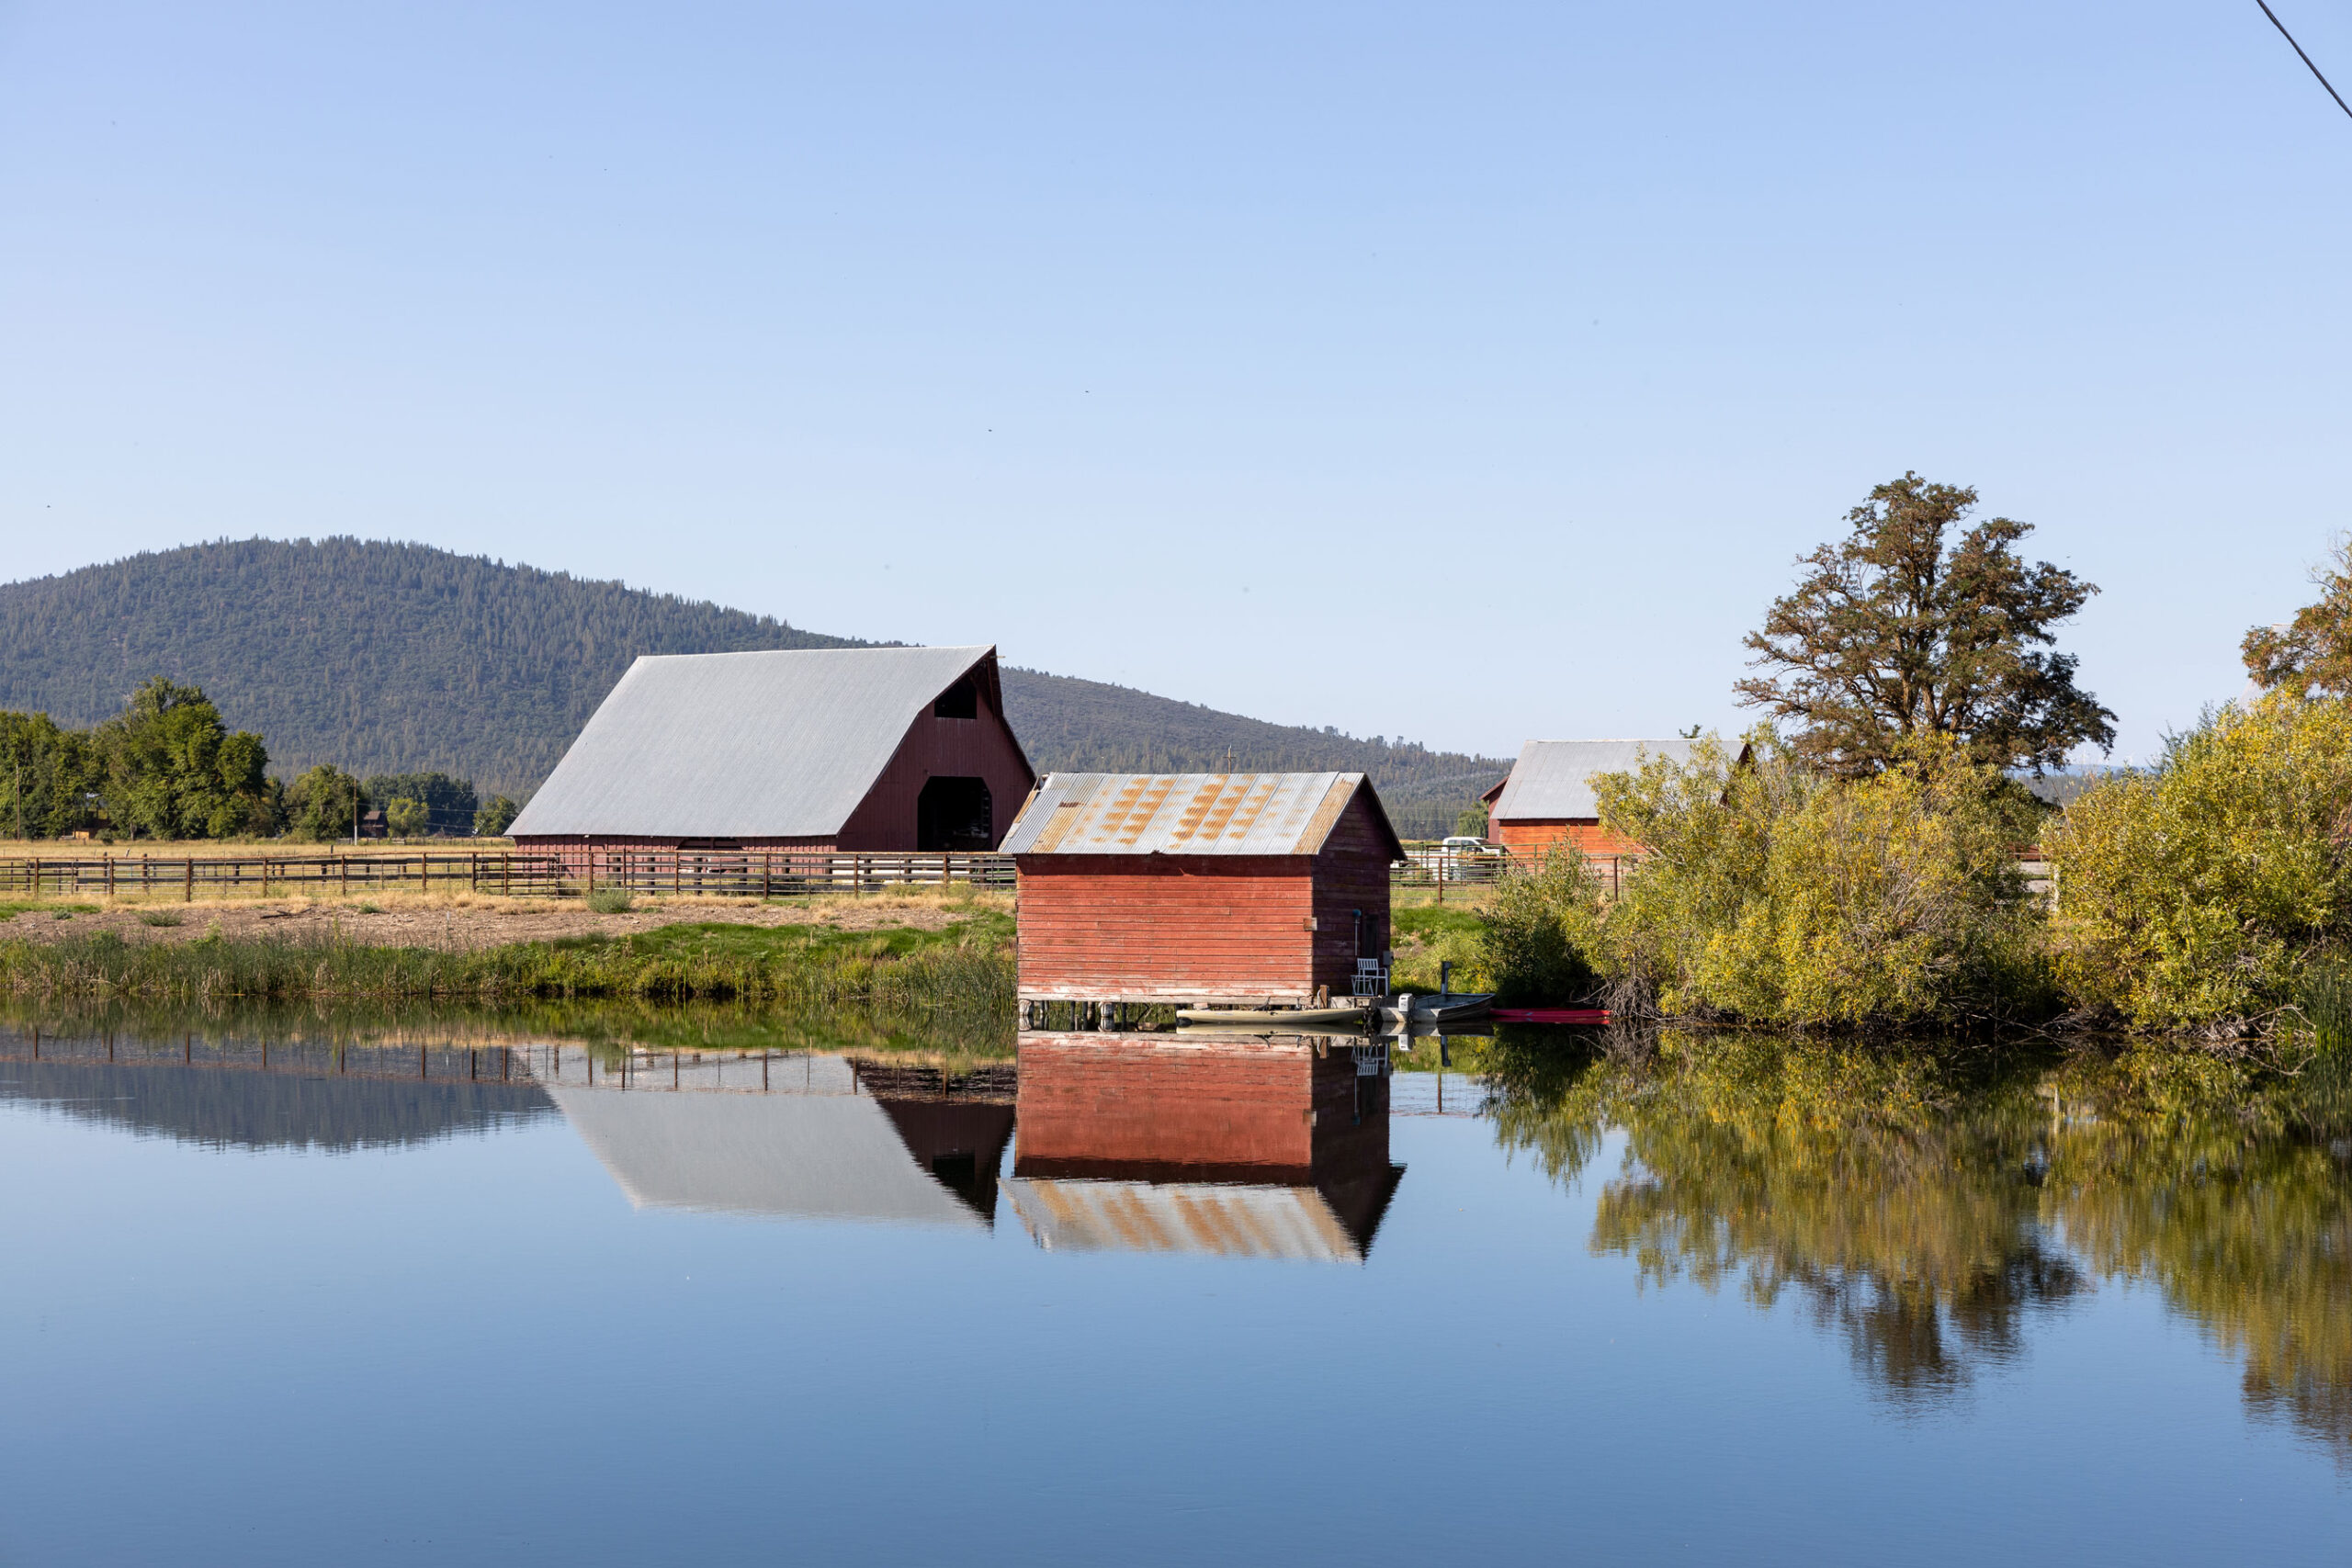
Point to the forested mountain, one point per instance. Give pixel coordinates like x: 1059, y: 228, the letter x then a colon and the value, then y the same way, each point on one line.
x: 386, y: 658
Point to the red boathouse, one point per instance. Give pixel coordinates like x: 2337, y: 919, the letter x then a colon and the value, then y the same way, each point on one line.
x: 1263, y: 889
x: 877, y: 750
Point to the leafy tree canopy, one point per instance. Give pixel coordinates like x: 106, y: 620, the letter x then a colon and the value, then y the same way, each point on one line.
x: 173, y: 770
x: 1893, y: 633
x: 447, y: 805
x: 494, y: 816
x: 2313, y: 654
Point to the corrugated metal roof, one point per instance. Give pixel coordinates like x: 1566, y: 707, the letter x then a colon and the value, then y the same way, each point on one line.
x: 1553, y: 779
x: 1186, y: 814
x: 779, y: 744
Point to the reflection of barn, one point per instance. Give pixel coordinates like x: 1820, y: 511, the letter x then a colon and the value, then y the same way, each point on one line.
x: 816, y: 1142
x: 882, y: 749
x: 1262, y: 888
x: 1274, y: 1146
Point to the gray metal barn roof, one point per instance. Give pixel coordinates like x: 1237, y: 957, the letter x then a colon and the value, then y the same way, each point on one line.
x: 1553, y: 779
x: 1186, y: 814
x: 740, y: 745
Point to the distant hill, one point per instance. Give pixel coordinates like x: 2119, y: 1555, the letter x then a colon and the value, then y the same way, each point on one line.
x: 395, y: 658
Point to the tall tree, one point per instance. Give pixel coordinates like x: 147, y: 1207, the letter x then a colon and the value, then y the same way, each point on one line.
x: 174, y: 771
x: 1891, y: 634
x: 2312, y: 653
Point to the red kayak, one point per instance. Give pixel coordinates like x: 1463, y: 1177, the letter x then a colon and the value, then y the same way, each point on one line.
x: 1551, y: 1015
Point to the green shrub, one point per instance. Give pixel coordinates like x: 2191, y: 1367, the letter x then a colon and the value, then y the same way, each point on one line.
x: 1529, y: 951
x: 2202, y: 893
x: 159, y: 918
x: 609, y: 901
x: 1777, y: 895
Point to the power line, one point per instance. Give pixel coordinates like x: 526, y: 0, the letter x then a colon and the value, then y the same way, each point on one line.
x: 2306, y: 58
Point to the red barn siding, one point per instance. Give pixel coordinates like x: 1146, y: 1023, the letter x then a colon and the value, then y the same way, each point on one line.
x: 1530, y: 835
x: 1166, y: 925
x: 982, y: 748
x: 607, y: 849
x: 1351, y: 874
x: 1272, y: 927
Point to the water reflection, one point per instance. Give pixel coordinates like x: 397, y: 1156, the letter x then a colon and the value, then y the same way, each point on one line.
x: 255, y: 1094
x: 807, y: 1135
x: 1930, y: 1210
x: 1272, y: 1147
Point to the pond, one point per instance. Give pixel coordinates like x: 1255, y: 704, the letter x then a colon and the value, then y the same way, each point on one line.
x: 295, y: 1289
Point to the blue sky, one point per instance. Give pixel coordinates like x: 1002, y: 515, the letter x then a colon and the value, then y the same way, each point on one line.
x: 1465, y: 373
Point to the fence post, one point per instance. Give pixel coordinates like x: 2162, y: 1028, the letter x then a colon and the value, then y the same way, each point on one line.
x: 188, y: 883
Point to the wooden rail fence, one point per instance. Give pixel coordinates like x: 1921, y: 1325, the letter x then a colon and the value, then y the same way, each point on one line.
x: 736, y: 874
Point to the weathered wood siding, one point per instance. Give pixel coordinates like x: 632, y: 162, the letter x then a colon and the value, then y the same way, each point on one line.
x: 1166, y: 926
x: 1206, y: 928
x: 1351, y: 873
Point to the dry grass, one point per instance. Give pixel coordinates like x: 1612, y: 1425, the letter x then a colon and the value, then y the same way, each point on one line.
x: 463, y: 921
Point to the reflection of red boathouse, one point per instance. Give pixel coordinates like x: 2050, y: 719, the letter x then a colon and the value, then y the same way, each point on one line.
x: 1273, y: 1146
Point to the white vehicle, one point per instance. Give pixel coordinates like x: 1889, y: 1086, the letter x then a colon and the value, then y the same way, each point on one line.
x: 1465, y: 846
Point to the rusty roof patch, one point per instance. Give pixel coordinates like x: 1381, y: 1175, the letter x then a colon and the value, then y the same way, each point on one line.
x: 1189, y: 814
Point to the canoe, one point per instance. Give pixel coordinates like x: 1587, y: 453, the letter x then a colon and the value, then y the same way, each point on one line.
x: 1551, y: 1015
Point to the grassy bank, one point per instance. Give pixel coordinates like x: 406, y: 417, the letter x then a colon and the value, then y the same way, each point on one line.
x: 966, y: 966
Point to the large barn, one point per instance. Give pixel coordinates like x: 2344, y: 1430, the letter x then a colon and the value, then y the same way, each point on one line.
x: 853, y: 750
x: 1265, y: 889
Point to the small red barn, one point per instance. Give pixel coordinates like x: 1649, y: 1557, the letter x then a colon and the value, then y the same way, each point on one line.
x: 856, y: 750
x: 1548, y: 797
x: 1256, y: 888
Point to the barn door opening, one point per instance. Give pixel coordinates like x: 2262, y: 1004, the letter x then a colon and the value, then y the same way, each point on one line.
x: 955, y: 815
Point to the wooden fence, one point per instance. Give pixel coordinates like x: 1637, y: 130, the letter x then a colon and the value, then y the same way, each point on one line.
x: 735, y: 874
x: 1442, y: 869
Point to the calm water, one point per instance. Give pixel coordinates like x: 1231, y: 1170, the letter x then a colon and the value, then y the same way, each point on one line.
x: 452, y: 1303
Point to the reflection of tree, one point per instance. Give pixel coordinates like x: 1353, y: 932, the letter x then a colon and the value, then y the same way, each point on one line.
x: 1929, y: 1213
x: 2243, y: 1225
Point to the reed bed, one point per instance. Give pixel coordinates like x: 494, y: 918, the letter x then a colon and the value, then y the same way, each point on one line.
x: 966, y: 969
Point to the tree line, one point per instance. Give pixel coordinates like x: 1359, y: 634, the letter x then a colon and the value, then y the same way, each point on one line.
x: 167, y: 767
x: 1861, y: 868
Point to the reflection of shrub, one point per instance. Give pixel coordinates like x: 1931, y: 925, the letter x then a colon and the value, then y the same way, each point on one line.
x: 609, y: 901
x: 2326, y: 1001
x: 2200, y: 893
